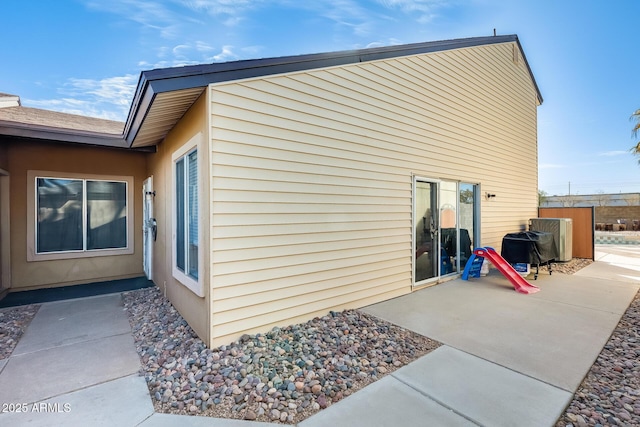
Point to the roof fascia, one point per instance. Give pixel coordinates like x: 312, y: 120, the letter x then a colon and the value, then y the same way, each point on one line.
x: 140, y: 106
x: 533, y: 79
x: 52, y: 134
x: 201, y: 75
x: 163, y: 80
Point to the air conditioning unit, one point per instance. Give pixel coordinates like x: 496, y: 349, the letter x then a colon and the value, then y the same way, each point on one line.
x: 562, y: 230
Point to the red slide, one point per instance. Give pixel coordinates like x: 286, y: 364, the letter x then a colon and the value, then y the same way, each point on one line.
x: 518, y: 282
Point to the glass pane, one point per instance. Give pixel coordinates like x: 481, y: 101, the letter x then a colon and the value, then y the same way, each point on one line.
x: 426, y: 232
x: 467, y: 221
x: 192, y: 159
x: 59, y: 213
x: 180, y: 215
x: 106, y: 215
x: 448, y: 224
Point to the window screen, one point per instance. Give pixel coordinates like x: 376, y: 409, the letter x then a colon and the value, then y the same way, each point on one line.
x: 60, y: 203
x: 106, y: 215
x: 187, y: 214
x: 80, y: 215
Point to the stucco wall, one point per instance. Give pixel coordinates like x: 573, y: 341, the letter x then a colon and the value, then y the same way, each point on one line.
x: 5, y: 224
x: 4, y: 155
x: 68, y: 158
x: 193, y: 308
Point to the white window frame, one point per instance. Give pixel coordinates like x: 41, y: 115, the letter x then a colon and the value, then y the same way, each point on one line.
x: 196, y: 286
x: 32, y: 217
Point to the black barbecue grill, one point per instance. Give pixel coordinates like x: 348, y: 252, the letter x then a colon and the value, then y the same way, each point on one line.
x: 530, y: 247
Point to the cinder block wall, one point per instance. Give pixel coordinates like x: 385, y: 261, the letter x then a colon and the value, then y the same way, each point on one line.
x: 611, y: 214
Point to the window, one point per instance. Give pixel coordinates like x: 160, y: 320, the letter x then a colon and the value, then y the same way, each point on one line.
x: 60, y: 219
x: 186, y: 214
x: 72, y: 216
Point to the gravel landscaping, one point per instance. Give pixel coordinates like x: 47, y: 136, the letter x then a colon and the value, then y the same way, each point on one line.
x: 13, y: 323
x: 288, y: 374
x: 610, y: 393
x: 284, y: 375
x: 568, y: 267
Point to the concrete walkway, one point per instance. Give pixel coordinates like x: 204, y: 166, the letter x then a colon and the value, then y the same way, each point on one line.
x: 507, y: 359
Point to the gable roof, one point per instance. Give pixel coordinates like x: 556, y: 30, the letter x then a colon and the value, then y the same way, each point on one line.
x: 164, y: 95
x: 36, y: 123
x: 37, y: 116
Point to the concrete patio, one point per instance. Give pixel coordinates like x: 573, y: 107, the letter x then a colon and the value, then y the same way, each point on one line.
x: 507, y: 359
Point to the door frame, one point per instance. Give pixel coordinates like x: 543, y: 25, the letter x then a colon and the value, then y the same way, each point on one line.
x: 5, y: 231
x: 476, y: 231
x: 148, y: 195
x: 414, y: 223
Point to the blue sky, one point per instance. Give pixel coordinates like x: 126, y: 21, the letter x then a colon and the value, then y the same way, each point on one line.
x: 85, y: 56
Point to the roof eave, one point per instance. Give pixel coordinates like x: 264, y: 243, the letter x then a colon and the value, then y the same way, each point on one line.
x: 48, y: 133
x: 154, y: 82
x: 533, y: 79
x: 140, y: 106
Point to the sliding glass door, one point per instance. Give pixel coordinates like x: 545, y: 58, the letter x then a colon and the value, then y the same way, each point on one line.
x: 445, y: 227
x: 469, y: 219
x: 448, y: 227
x: 426, y: 228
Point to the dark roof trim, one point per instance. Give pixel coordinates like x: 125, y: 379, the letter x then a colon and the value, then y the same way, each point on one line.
x: 533, y: 79
x: 140, y: 107
x: 48, y: 133
x: 163, y: 80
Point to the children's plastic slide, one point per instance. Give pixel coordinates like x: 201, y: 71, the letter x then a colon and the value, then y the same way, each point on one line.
x: 475, y: 261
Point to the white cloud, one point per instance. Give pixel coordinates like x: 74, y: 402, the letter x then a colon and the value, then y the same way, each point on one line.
x: 427, y: 18
x: 189, y: 52
x: 116, y: 90
x: 347, y: 13
x: 390, y: 42
x: 184, y: 21
x: 150, y: 14
x: 193, y: 24
x: 217, y: 7
x: 423, y: 9
x: 106, y: 98
x: 233, y: 21
x: 74, y: 106
x: 252, y: 51
x: 226, y: 55
x: 375, y: 44
x: 201, y: 46
x: 179, y: 50
x: 614, y: 153
x: 412, y: 5
x: 186, y: 32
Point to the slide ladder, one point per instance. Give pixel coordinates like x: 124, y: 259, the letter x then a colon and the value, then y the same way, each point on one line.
x: 473, y: 268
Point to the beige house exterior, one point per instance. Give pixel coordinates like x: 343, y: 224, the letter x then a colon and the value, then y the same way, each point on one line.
x: 32, y: 143
x: 282, y: 188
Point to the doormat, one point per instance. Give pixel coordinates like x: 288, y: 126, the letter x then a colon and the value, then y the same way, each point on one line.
x: 37, y: 296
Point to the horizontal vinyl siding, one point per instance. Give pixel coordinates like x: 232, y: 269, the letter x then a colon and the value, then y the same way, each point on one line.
x: 312, y: 176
